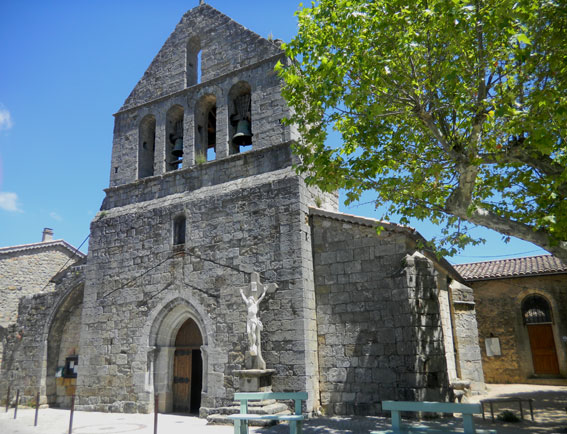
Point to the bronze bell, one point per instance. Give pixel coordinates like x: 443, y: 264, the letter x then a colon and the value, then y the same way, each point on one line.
x: 178, y: 147
x: 243, y: 134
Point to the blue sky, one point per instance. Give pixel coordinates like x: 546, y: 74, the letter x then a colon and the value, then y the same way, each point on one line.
x: 65, y: 68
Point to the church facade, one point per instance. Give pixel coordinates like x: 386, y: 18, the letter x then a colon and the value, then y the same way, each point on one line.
x: 202, y: 195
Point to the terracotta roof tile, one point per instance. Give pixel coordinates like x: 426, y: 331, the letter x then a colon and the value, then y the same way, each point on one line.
x: 514, y: 267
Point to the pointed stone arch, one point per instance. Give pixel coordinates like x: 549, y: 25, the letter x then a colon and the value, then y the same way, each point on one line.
x: 63, y: 336
x: 169, y: 320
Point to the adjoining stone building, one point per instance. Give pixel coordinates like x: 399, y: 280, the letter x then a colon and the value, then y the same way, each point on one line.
x: 203, y: 193
x: 29, y: 273
x: 521, y: 306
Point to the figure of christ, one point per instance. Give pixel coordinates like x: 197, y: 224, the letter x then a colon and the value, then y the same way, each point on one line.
x: 253, y: 323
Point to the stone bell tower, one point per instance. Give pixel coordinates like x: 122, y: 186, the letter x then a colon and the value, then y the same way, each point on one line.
x: 202, y: 194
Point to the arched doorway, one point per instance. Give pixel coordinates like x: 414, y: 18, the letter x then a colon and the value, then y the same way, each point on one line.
x: 536, y: 313
x: 187, y: 369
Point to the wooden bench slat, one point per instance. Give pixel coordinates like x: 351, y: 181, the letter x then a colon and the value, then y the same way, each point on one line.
x: 430, y: 431
x: 262, y: 396
x: 266, y: 417
x: 433, y: 407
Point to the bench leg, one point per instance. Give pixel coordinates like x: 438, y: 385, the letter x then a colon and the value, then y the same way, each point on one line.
x: 521, y: 410
x: 299, y: 427
x: 396, y: 421
x: 468, y: 424
x: 292, y: 427
x: 240, y: 427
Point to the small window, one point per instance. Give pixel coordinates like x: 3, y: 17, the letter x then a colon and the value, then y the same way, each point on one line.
x: 193, y: 61
x: 179, y: 230
x: 536, y: 310
x: 70, y: 368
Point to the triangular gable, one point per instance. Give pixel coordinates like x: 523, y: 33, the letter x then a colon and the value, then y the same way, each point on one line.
x: 225, y: 44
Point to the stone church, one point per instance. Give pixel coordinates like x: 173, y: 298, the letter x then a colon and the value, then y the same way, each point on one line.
x: 202, y: 195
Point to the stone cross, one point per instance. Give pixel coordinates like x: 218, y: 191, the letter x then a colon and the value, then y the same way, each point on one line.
x: 255, y: 295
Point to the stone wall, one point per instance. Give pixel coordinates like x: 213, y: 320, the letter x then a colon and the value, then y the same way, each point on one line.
x: 378, y: 323
x: 27, y: 272
x: 498, y: 309
x: 32, y: 343
x: 137, y: 281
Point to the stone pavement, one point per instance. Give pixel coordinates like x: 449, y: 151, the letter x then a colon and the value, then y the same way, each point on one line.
x: 550, y: 413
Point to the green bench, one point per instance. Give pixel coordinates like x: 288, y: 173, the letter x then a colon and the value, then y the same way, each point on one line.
x: 396, y: 407
x: 295, y: 420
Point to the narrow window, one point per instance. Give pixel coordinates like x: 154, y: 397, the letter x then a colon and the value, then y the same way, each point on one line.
x: 179, y: 225
x: 147, y: 147
x: 240, y: 118
x: 193, y: 61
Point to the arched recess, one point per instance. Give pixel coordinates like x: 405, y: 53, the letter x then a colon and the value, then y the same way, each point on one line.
x: 538, y: 319
x: 240, y: 118
x: 179, y: 342
x: 147, y: 146
x: 63, y: 350
x: 206, y: 128
x: 174, y: 138
x: 193, y: 66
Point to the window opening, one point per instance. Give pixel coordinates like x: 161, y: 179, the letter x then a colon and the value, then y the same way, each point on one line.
x: 179, y: 227
x: 193, y: 61
x: 536, y: 310
x: 199, y: 66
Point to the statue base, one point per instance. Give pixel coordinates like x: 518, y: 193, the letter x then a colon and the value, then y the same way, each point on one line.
x: 255, y: 380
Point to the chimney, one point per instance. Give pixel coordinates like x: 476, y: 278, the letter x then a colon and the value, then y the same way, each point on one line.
x: 47, y: 235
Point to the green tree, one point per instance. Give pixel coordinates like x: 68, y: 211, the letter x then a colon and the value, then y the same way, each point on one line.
x: 451, y: 111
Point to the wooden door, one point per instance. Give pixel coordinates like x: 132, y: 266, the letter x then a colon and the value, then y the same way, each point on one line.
x: 182, y: 380
x: 543, y: 349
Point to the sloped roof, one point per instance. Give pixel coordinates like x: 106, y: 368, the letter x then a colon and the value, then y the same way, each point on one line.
x: 43, y: 245
x: 388, y: 226
x: 514, y: 267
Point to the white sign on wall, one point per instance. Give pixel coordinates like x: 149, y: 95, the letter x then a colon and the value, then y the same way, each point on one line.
x: 492, y: 347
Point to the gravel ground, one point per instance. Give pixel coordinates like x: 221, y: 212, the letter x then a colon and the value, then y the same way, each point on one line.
x: 550, y: 413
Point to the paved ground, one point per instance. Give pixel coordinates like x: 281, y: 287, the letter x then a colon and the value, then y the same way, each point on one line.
x: 550, y: 411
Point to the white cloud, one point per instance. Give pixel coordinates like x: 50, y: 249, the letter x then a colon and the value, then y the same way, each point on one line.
x: 9, y: 202
x: 5, y: 119
x: 55, y: 216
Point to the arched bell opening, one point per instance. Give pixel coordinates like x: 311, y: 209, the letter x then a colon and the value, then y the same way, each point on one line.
x: 174, y: 138
x: 538, y: 319
x: 206, y: 128
x: 240, y: 118
x: 147, y: 146
x: 187, y: 369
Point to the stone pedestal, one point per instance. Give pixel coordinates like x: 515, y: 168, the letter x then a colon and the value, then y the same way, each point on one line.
x: 255, y: 380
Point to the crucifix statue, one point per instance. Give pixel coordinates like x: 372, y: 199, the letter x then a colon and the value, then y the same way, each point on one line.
x: 256, y: 294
